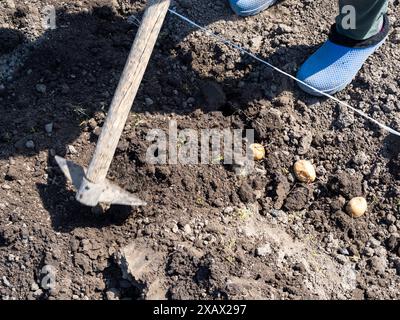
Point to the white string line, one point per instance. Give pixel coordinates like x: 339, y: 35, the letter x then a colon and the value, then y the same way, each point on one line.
x: 241, y: 49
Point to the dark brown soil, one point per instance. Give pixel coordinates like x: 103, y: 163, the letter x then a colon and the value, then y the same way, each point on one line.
x: 210, y: 233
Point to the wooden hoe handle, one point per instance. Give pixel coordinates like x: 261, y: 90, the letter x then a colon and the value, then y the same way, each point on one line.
x: 127, y: 89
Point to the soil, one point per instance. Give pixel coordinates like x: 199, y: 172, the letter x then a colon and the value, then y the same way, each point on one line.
x: 206, y: 233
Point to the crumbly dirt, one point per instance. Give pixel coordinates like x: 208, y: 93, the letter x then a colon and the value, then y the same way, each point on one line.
x: 206, y: 232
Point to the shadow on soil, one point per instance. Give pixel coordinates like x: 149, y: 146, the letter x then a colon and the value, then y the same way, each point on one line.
x: 77, y: 67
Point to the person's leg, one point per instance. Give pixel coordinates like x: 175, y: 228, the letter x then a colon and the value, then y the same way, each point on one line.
x: 351, y: 41
x: 368, y: 18
x: 250, y: 7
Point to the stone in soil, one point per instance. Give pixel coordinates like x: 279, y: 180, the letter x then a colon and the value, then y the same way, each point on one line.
x: 49, y: 127
x: 30, y: 144
x: 41, y: 88
x: 140, y: 265
x: 263, y: 250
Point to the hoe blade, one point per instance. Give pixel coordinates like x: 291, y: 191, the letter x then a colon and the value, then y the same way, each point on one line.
x: 104, y: 192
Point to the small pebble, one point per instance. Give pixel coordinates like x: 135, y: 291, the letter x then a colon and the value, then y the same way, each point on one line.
x: 41, y: 88
x: 30, y: 144
x: 49, y: 127
x: 369, y: 252
x: 72, y: 150
x: 374, y: 243
x: 112, y: 294
x: 175, y: 229
x: 34, y: 286
x: 187, y: 229
x: 390, y: 218
x: 6, y: 282
x: 149, y: 101
x: 38, y: 293
x: 263, y: 250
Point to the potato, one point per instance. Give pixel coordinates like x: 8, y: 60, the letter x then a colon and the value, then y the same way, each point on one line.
x: 258, y: 151
x: 304, y: 171
x: 357, y: 207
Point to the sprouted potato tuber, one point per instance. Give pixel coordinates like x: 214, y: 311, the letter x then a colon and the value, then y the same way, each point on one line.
x: 258, y: 151
x: 357, y: 207
x: 304, y: 171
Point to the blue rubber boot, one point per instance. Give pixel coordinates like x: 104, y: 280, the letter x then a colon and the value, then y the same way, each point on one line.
x: 336, y: 63
x: 250, y: 7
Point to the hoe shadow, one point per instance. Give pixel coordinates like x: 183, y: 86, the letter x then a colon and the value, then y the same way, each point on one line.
x: 71, y: 73
x: 10, y: 39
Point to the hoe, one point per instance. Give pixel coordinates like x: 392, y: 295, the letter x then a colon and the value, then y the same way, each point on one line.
x: 91, y: 183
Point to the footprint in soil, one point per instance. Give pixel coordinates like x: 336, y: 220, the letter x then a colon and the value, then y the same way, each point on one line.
x: 71, y: 73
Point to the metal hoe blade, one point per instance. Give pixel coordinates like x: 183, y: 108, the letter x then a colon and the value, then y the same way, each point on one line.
x: 104, y: 192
